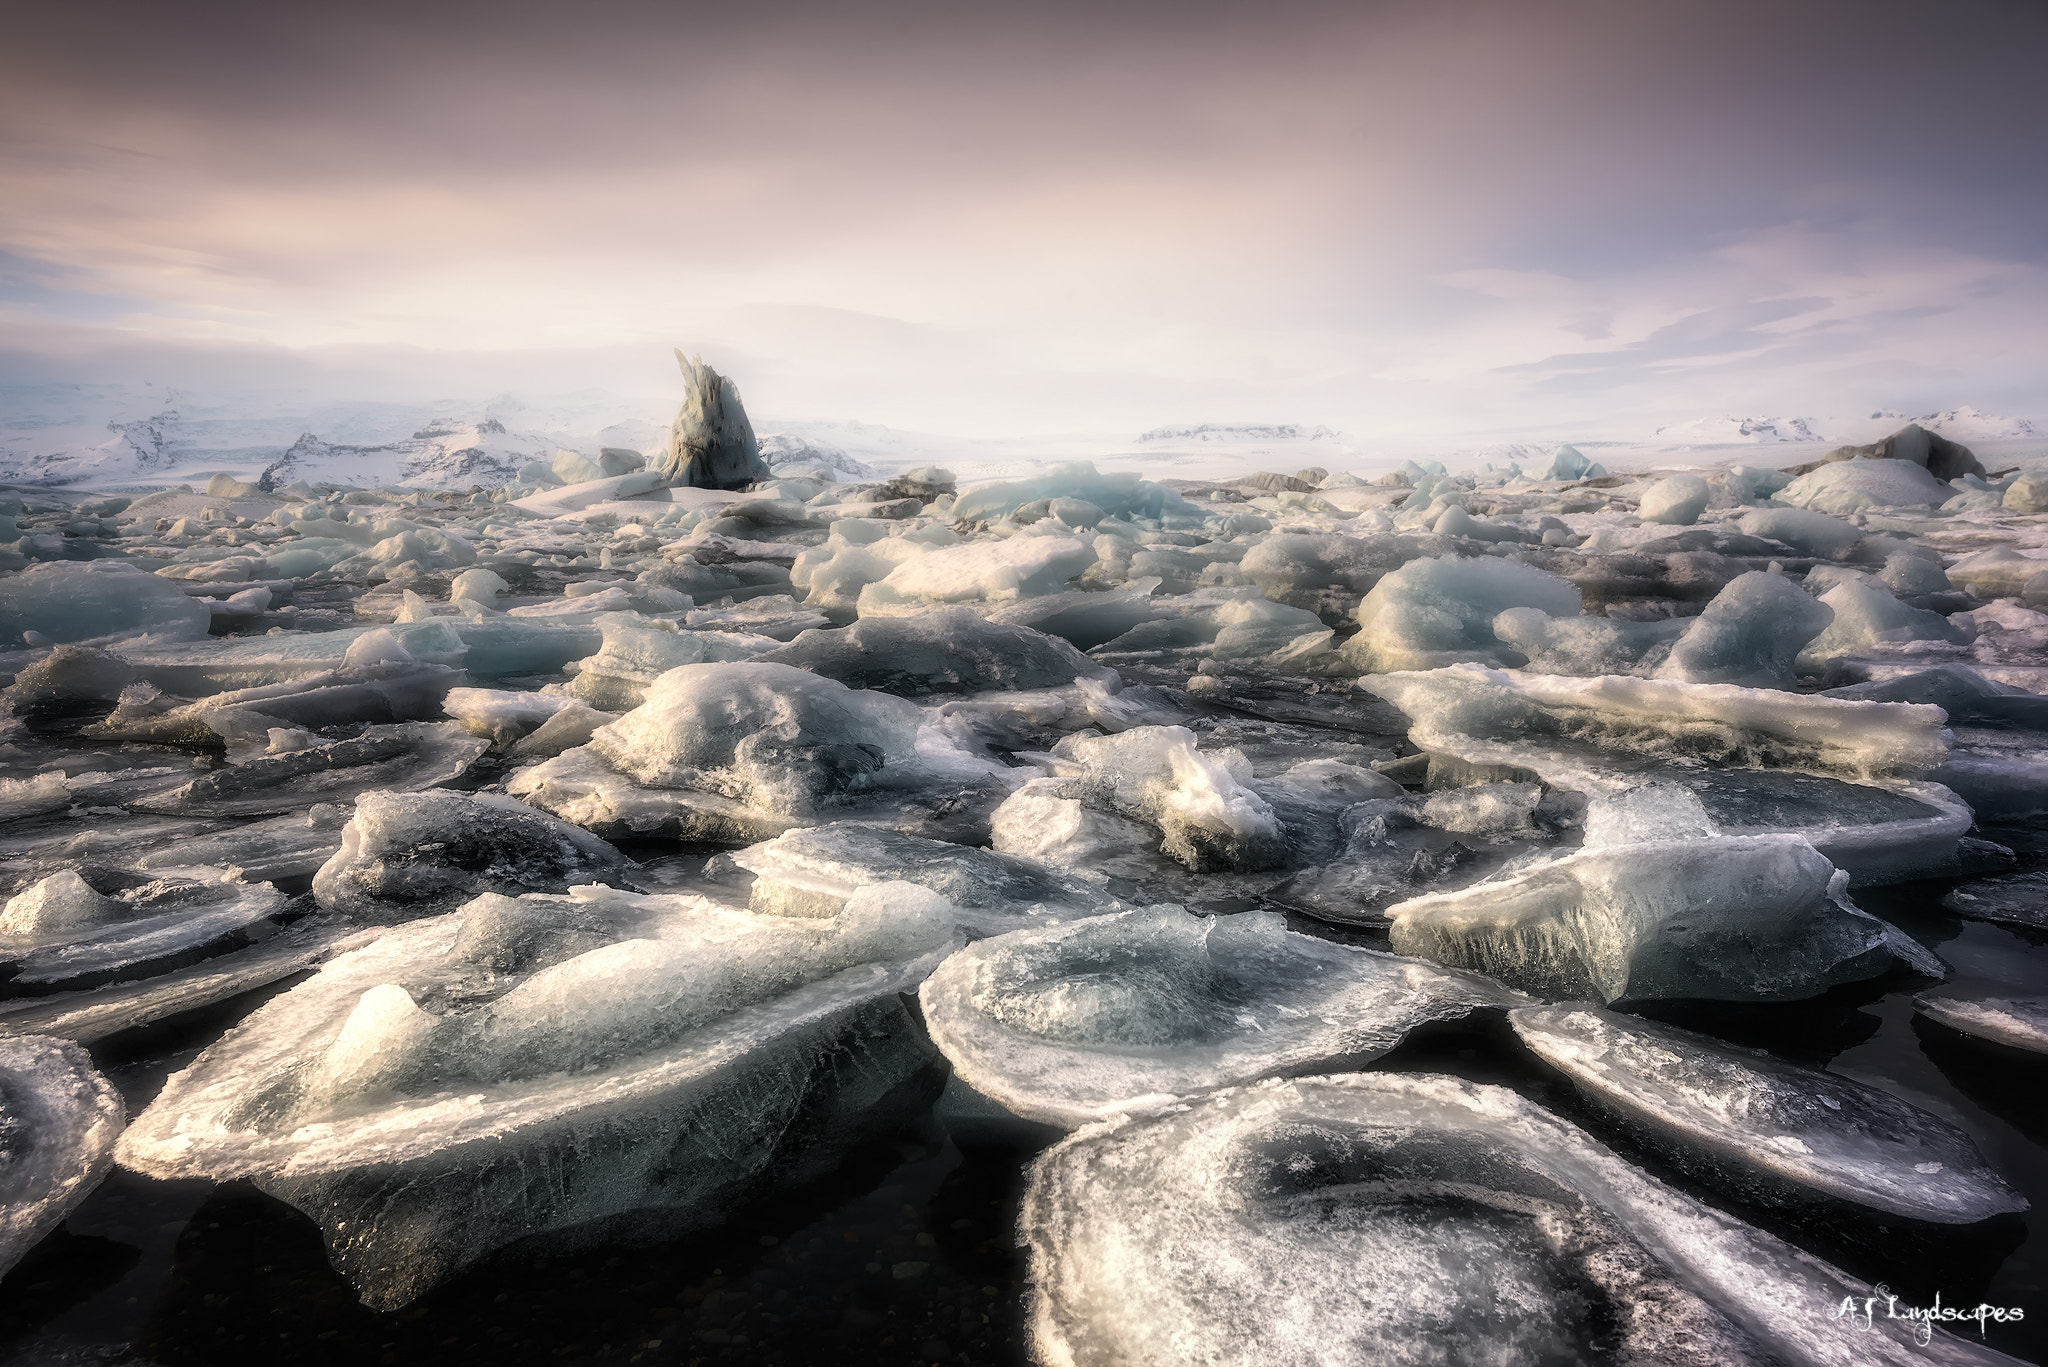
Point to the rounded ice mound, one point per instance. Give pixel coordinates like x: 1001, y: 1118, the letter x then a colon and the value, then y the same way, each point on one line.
x: 769, y: 735
x: 1804, y: 530
x: 646, y: 1057
x: 1070, y: 1024
x: 1675, y: 502
x: 64, y: 935
x: 407, y: 855
x: 1750, y: 634
x: 1438, y: 612
x: 1770, y: 1130
x: 1409, y: 1220
x: 65, y: 601
x: 1849, y: 486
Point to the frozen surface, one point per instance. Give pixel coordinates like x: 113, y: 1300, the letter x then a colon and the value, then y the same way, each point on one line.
x: 1768, y: 1129
x: 58, y: 1122
x: 1075, y: 1023
x: 1403, y: 1219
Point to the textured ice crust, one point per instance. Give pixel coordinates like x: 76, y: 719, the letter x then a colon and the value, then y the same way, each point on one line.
x: 1409, y: 1219
x: 58, y: 1122
x: 1755, y: 918
x: 1070, y: 1024
x: 1770, y: 1130
x: 541, y: 1066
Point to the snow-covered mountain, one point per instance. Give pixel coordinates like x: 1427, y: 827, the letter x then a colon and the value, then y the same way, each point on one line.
x: 1238, y: 432
x: 1725, y: 431
x: 1963, y: 424
x: 441, y: 454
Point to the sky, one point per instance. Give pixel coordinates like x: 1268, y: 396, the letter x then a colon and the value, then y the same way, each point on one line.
x: 1432, y: 217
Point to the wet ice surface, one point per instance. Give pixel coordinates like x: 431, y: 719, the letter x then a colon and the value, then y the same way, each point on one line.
x: 509, y: 913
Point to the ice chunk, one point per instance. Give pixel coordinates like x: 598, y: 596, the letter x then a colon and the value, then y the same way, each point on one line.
x: 656, y: 1058
x: 812, y: 873
x: 61, y: 902
x: 1071, y: 1024
x: 1809, y: 532
x: 1409, y: 1220
x: 1296, y: 563
x: 639, y: 650
x: 2017, y: 1022
x: 293, y: 846
x: 20, y: 797
x: 947, y: 650
x: 1867, y: 618
x: 66, y: 601
x: 1755, y: 918
x: 1749, y: 635
x: 1676, y: 501
x: 502, y: 716
x: 769, y: 735
x: 155, y: 925
x: 407, y: 855
x: 95, y: 1013
x: 1588, y: 646
x: 69, y: 679
x: 58, y: 1122
x: 1492, y: 811
x: 1387, y: 856
x: 995, y: 571
x: 396, y: 688
x: 1722, y: 722
x: 1767, y: 1130
x: 1202, y: 809
x: 403, y: 758
x: 1437, y: 612
x: 1653, y: 811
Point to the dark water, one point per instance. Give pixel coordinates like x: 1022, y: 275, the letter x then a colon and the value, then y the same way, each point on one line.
x: 906, y: 1256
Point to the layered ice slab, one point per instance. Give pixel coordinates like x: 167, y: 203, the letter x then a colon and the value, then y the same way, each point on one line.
x: 1728, y: 918
x: 1397, y: 1219
x: 1071, y: 1024
x: 408, y: 855
x: 2017, y: 1022
x: 58, y: 1122
x: 1843, y: 774
x: 64, y: 935
x: 600, y: 1066
x: 301, y: 769
x: 812, y: 872
x: 1768, y: 1130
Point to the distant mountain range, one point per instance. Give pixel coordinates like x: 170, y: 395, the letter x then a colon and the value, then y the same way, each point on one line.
x: 1216, y: 431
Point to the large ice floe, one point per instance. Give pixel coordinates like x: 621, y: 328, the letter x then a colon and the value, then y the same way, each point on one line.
x: 577, y: 858
x: 580, y: 1067
x: 1410, y: 1219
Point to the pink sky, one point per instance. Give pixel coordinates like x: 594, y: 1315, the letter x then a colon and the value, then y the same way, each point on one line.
x: 980, y: 219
